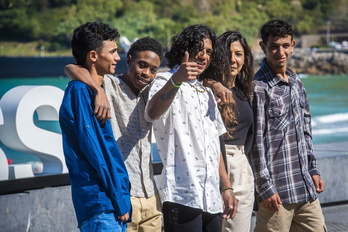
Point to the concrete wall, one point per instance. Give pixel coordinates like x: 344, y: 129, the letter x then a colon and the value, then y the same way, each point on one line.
x: 333, y: 165
x: 44, y: 210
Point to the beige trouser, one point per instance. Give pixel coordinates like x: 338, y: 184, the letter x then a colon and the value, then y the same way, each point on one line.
x: 242, y: 179
x: 146, y: 215
x: 301, y: 217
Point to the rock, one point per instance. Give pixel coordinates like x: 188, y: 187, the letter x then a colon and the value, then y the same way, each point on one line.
x: 316, y: 62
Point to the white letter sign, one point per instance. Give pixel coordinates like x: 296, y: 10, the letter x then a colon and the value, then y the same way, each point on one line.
x: 19, y: 132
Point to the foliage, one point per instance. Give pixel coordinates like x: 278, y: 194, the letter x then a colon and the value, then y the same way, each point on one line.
x: 53, y: 21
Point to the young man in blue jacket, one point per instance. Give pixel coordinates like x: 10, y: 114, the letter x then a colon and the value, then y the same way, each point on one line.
x: 99, y: 179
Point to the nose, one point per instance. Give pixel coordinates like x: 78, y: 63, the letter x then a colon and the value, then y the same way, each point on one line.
x: 117, y: 56
x: 233, y: 58
x: 280, y: 51
x: 146, y: 72
x: 202, y: 54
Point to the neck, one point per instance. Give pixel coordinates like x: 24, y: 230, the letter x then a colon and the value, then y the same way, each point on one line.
x: 231, y: 82
x: 281, y: 72
x: 96, y: 76
x: 126, y: 79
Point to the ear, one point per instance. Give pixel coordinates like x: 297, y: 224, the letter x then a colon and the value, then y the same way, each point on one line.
x: 293, y: 43
x: 93, y: 56
x: 129, y: 58
x: 263, y: 46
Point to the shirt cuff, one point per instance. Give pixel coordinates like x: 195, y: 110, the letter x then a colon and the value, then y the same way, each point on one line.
x: 314, y: 172
x: 122, y: 205
x: 270, y: 191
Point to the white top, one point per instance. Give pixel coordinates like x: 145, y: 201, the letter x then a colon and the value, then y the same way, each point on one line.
x: 132, y: 133
x: 187, y: 138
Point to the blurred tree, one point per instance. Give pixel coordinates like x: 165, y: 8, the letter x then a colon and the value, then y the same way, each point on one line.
x: 310, y: 4
x: 53, y: 21
x: 136, y: 21
x: 86, y: 11
x: 278, y: 9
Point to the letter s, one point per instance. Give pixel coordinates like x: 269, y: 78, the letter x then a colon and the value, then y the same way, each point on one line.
x: 19, y: 131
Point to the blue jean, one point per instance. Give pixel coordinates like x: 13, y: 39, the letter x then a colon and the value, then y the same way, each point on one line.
x: 105, y: 222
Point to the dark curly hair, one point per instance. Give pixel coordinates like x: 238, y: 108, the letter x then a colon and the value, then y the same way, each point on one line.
x: 90, y: 36
x: 220, y: 70
x: 146, y: 44
x: 276, y: 28
x: 191, y: 40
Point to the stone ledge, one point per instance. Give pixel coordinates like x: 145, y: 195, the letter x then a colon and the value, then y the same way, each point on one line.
x: 332, y: 161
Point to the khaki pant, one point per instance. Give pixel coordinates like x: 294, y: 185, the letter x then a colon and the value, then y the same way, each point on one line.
x: 242, y: 179
x: 301, y: 217
x: 146, y: 215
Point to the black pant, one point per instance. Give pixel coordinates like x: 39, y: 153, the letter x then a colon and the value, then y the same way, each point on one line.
x: 180, y: 218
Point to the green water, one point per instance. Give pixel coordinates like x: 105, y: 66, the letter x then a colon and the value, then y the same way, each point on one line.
x: 328, y: 101
x: 327, y: 94
x: 7, y: 84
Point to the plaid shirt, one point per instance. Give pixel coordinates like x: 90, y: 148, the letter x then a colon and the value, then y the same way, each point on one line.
x: 282, y: 156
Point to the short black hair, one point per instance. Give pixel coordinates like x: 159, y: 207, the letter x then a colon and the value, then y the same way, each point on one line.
x: 90, y: 36
x: 276, y: 28
x: 190, y: 40
x: 146, y: 44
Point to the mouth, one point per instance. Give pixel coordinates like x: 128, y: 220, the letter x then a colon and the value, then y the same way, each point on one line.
x: 142, y: 80
x: 200, y: 64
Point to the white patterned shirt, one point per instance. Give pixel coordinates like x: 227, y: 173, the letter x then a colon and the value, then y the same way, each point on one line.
x: 187, y: 138
x: 132, y: 133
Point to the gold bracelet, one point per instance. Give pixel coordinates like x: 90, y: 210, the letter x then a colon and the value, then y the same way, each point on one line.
x: 228, y: 188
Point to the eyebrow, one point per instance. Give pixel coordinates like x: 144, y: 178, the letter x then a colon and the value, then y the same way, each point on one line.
x: 280, y: 43
x: 145, y: 62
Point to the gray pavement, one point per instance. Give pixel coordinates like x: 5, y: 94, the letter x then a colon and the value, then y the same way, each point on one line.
x: 336, y: 218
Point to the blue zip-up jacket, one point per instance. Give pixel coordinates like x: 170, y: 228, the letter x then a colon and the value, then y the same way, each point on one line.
x: 99, y: 179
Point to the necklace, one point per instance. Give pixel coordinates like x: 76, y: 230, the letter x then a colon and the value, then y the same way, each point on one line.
x: 198, y: 90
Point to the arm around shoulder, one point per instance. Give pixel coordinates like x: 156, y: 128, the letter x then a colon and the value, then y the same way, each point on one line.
x: 222, y: 94
x: 101, y: 103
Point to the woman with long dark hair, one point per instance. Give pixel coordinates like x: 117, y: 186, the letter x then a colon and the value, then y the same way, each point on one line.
x: 232, y: 66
